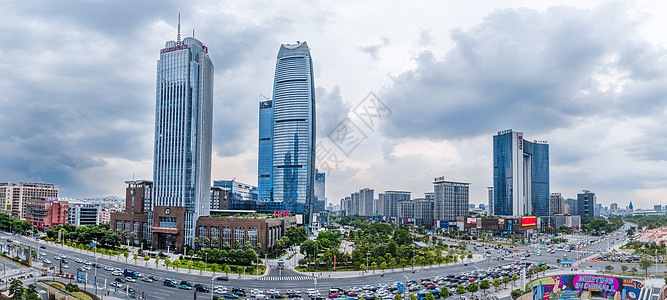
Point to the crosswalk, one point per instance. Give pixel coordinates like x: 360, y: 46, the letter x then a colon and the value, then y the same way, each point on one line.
x: 276, y: 278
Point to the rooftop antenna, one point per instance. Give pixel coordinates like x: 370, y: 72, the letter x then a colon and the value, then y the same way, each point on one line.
x: 193, y: 33
x: 178, y: 36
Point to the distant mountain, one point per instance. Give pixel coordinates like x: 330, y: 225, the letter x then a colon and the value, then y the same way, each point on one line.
x: 106, y: 198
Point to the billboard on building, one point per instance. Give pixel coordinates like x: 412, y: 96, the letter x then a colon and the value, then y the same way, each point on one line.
x: 528, y: 221
x: 472, y: 221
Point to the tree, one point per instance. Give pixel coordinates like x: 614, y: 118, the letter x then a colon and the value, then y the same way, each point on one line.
x: 413, y: 297
x: 470, y: 256
x: 444, y: 292
x: 429, y: 296
x: 135, y: 257
x: 196, y: 243
x: 485, y: 285
x: 633, y: 270
x: 645, y: 264
x: 625, y: 268
x: 126, y: 255
x: 496, y: 283
x: 309, y: 248
x: 227, y: 269
x: 609, y: 268
x: 514, y: 278
x: 157, y: 261
x: 473, y: 287
x: 215, y: 241
x: 16, y: 289
x: 167, y: 262
x: 146, y: 259
x: 132, y: 236
x: 383, y: 265
x: 460, y: 289
x: 505, y: 280
x: 398, y: 297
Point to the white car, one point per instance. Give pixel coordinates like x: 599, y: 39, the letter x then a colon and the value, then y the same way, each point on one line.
x: 130, y: 279
x: 220, y: 290
x: 108, y: 268
x: 117, y: 273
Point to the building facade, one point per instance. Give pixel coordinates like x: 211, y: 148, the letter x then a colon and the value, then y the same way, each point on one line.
x: 320, y: 196
x: 390, y: 199
x: 556, y: 203
x: 406, y: 211
x: 13, y: 197
x: 586, y: 204
x: 489, y: 207
x: 520, y: 175
x: 452, y: 199
x: 293, y: 170
x: 82, y: 213
x: 265, y: 151
x: 366, y: 197
x: 424, y: 212
x: 219, y: 198
x: 46, y: 213
x: 183, y: 131
x: 260, y: 234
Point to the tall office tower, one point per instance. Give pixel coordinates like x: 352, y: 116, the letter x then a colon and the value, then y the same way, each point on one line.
x: 570, y: 207
x: 406, y: 211
x: 346, y: 205
x: 320, y: 198
x: 556, y: 203
x: 183, y: 131
x: 520, y: 175
x: 294, y: 130
x: 424, y: 211
x: 391, y: 199
x: 586, y: 204
x: 354, y: 199
x: 265, y: 151
x: 489, y: 208
x: 451, y: 199
x: 366, y: 197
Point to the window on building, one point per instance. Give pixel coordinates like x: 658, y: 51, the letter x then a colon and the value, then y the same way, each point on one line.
x: 226, y: 237
x: 168, y: 222
x: 214, y: 235
x: 238, y: 237
x: 252, y: 237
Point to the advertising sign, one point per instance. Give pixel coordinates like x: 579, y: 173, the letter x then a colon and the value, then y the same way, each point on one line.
x: 528, y: 221
x: 564, y: 286
x: 472, y: 220
x: 51, y: 199
x: 510, y: 224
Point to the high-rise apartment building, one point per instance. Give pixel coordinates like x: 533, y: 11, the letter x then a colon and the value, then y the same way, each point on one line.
x: 366, y: 197
x: 354, y: 200
x: 293, y: 170
x: 13, y: 197
x: 570, y: 207
x: 451, y: 199
x: 406, y: 211
x: 391, y: 199
x: 183, y: 131
x: 520, y: 175
x: 81, y: 213
x: 586, y: 204
x: 556, y: 203
x: 489, y: 207
x: 424, y: 208
x: 265, y: 151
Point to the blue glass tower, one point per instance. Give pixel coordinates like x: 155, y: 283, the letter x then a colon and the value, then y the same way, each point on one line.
x: 520, y: 175
x: 183, y: 130
x: 294, y: 130
x: 265, y: 151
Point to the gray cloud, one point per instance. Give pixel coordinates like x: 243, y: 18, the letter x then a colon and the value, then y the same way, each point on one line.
x: 530, y: 70
x: 373, y: 50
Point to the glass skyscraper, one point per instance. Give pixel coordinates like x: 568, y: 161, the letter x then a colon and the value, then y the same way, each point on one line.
x: 293, y: 137
x: 265, y: 151
x: 520, y: 175
x: 183, y: 130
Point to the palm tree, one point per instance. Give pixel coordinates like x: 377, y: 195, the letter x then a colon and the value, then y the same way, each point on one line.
x: 132, y: 236
x: 207, y: 242
x: 196, y: 242
x: 216, y: 240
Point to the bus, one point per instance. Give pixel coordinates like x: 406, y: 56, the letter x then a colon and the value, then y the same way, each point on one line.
x: 281, y: 264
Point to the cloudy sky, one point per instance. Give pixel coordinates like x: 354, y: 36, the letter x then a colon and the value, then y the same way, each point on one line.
x: 589, y: 77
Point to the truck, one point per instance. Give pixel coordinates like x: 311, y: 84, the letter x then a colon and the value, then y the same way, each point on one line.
x: 128, y: 273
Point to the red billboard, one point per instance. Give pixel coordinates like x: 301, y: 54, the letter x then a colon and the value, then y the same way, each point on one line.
x: 528, y: 221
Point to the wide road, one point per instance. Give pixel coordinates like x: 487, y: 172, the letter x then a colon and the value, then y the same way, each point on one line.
x: 276, y: 279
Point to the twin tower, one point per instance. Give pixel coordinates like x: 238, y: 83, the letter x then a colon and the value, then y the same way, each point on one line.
x: 184, y: 126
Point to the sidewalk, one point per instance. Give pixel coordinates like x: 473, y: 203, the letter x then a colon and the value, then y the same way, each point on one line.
x: 349, y: 274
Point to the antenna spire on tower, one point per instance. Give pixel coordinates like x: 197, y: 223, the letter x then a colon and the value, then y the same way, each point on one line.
x: 178, y: 35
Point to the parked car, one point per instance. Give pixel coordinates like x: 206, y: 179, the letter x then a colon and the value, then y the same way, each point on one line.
x: 184, y: 287
x: 201, y: 288
x: 169, y: 283
x: 222, y: 278
x: 120, y: 279
x: 146, y: 279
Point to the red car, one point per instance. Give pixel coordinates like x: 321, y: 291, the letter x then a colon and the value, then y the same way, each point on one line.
x: 352, y: 294
x: 333, y: 295
x: 431, y: 286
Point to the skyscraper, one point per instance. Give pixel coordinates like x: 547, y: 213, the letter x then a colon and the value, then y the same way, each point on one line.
x: 586, y: 204
x: 390, y: 204
x: 294, y: 130
x: 452, y: 199
x: 520, y: 175
x: 556, y: 203
x: 320, y: 198
x: 489, y: 208
x: 265, y: 151
x: 366, y: 202
x: 183, y: 131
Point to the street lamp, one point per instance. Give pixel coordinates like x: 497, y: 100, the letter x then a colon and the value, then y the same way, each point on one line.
x: 205, y: 260
x: 96, y: 275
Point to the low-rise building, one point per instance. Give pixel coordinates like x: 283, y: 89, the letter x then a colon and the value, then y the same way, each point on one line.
x: 46, y: 213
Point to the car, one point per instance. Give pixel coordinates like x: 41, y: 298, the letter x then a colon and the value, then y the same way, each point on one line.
x: 87, y: 263
x: 9, y: 241
x: 42, y: 247
x: 334, y: 295
x: 146, y: 279
x: 169, y: 282
x: 120, y: 279
x: 46, y: 261
x: 230, y: 296
x: 220, y: 290
x: 108, y: 268
x: 201, y: 288
x: 222, y: 278
x: 130, y: 279
x: 117, y: 273
x: 238, y: 291
x: 81, y: 268
x: 184, y: 287
x: 117, y: 284
x: 78, y: 260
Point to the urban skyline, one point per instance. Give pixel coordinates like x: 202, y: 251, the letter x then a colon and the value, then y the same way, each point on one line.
x: 92, y: 147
